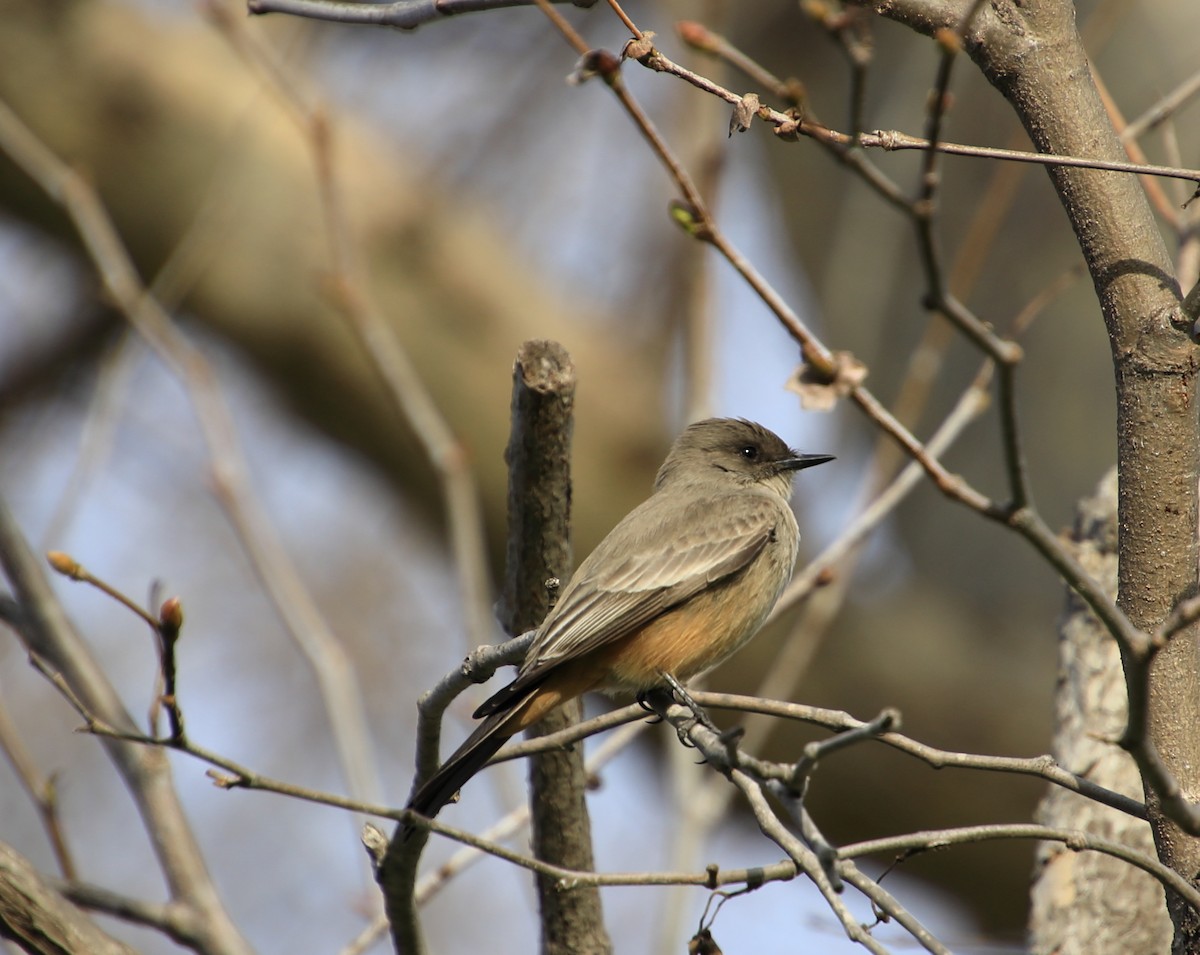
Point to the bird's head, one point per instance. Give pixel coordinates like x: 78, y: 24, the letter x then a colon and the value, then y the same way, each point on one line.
x: 725, y: 450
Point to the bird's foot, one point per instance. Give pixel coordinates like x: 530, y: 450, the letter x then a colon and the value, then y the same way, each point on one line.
x: 643, y: 700
x: 699, y: 714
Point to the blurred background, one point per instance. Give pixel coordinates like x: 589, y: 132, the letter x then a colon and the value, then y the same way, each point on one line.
x: 489, y: 202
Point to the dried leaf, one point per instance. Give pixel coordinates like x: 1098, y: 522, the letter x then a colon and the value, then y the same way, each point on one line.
x: 819, y: 391
x: 743, y: 113
x: 638, y: 47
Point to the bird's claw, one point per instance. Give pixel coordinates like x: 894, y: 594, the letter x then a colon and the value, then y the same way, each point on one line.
x: 644, y: 702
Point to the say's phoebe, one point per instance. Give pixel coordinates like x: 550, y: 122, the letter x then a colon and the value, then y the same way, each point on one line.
x: 681, y: 583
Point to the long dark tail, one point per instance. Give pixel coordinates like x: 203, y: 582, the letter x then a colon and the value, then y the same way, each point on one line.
x: 464, y: 763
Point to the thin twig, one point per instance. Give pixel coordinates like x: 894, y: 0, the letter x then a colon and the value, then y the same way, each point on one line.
x: 269, y: 558
x: 789, y: 127
x: 402, y: 14
x: 1044, y: 767
x: 1167, y: 106
x: 57, y: 650
x: 42, y: 791
x: 916, y: 842
x: 519, y: 817
x: 349, y: 291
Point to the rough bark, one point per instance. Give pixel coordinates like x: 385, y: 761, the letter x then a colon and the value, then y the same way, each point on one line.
x: 40, y: 921
x: 1086, y: 903
x: 1031, y: 52
x: 1034, y: 56
x: 539, y: 514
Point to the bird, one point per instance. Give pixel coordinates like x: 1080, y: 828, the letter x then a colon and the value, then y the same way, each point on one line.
x: 680, y: 583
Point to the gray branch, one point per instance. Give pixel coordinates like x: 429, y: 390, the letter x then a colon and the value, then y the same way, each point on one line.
x: 403, y: 14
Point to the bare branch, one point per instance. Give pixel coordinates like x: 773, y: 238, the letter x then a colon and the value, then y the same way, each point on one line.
x: 917, y: 842
x: 294, y: 602
x: 1164, y: 108
x: 402, y: 14
x: 539, y: 550
x: 51, y: 640
x: 37, y: 917
x: 41, y: 790
x: 349, y: 290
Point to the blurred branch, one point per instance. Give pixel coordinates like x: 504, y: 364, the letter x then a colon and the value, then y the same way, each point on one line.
x: 1166, y: 107
x: 54, y: 644
x: 214, y: 156
x: 116, y: 366
x: 1167, y: 209
x: 269, y: 558
x: 402, y: 14
x: 350, y: 292
x: 35, y: 916
x: 31, y: 367
x: 169, y: 919
x: 42, y: 791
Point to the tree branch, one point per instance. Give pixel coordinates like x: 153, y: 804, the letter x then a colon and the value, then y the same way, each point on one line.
x: 50, y: 638
x: 402, y: 14
x: 37, y: 918
x: 539, y: 555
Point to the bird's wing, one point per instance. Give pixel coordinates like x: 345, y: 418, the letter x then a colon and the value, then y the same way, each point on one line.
x: 655, y: 559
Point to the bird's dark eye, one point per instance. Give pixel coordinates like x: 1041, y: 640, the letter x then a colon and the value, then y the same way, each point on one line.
x: 749, y: 452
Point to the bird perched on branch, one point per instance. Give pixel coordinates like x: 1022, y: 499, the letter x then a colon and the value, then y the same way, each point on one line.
x: 684, y: 580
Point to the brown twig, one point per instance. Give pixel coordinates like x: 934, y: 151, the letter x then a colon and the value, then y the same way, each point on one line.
x: 42, y: 791
x: 917, y: 842
x: 401, y: 14
x: 789, y: 127
x: 57, y: 649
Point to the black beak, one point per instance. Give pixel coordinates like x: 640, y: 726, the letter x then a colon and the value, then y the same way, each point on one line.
x: 802, y: 461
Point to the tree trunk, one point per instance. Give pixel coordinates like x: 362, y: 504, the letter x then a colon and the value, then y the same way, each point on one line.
x: 1030, y: 51
x: 1087, y: 903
